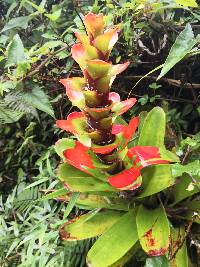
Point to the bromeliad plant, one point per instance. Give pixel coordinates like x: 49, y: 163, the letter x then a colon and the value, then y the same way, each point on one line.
x: 123, y: 184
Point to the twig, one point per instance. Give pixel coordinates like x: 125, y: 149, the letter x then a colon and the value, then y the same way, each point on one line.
x: 80, y: 19
x: 183, y: 240
x: 179, y: 100
x: 170, y: 81
x: 194, y: 181
x: 36, y: 70
x: 186, y: 154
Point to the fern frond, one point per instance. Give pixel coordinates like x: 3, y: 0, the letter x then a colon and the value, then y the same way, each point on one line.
x: 9, y: 115
x: 17, y: 101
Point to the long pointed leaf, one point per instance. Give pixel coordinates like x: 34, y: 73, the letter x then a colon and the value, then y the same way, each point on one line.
x: 182, y: 46
x: 90, y: 201
x: 87, y: 226
x: 155, y: 179
x: 114, y: 243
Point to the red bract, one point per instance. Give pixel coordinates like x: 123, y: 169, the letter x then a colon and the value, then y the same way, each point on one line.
x: 126, y: 132
x: 127, y: 179
x: 146, y: 155
x: 79, y: 157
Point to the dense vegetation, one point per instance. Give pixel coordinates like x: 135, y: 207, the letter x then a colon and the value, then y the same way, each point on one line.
x: 35, y: 42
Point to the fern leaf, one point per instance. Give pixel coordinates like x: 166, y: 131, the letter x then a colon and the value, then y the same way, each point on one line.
x: 17, y: 101
x: 9, y: 115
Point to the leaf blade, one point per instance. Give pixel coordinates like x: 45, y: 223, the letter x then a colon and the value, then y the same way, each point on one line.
x: 181, y: 47
x: 153, y: 230
x: 87, y: 226
x: 112, y: 245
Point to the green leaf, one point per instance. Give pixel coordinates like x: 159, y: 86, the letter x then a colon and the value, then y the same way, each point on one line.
x: 151, y: 134
x: 182, y: 46
x: 89, y: 225
x: 114, y: 243
x: 55, y: 15
x: 37, y: 182
x: 39, y: 8
x: 19, y: 22
x: 191, y: 3
x: 181, y: 257
x: 191, y: 168
x: 79, y: 181
x: 71, y: 204
x: 180, y: 189
x: 153, y: 230
x: 92, y: 201
x: 155, y: 179
x: 15, y: 52
x: 38, y: 99
x: 54, y: 194
x: 157, y: 262
x: 8, y: 115
x: 192, y: 214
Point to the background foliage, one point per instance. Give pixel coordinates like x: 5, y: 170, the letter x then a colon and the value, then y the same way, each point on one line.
x: 35, y: 41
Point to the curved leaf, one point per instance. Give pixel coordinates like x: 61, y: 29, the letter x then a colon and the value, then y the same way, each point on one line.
x: 78, y: 181
x: 16, y: 53
x: 181, y: 189
x: 155, y: 179
x: 153, y: 132
x: 153, y: 129
x: 39, y: 99
x: 191, y: 3
x: 92, y: 201
x: 153, y: 230
x: 19, y: 22
x: 114, y: 243
x: 182, y: 46
x: 89, y: 225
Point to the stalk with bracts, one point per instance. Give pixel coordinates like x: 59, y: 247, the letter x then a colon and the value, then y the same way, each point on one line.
x: 123, y: 184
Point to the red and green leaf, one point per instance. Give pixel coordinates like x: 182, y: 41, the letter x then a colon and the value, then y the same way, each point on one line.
x: 117, y: 69
x: 106, y: 41
x: 74, y: 90
x: 153, y: 230
x: 119, y: 108
x: 125, y: 132
x: 76, y: 124
x: 94, y: 24
x: 105, y: 149
x: 82, y: 53
x: 82, y: 38
x: 145, y: 156
x: 79, y: 157
x: 129, y: 179
x: 97, y: 68
x: 79, y: 181
x: 62, y: 144
x: 89, y: 225
x: 82, y: 158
